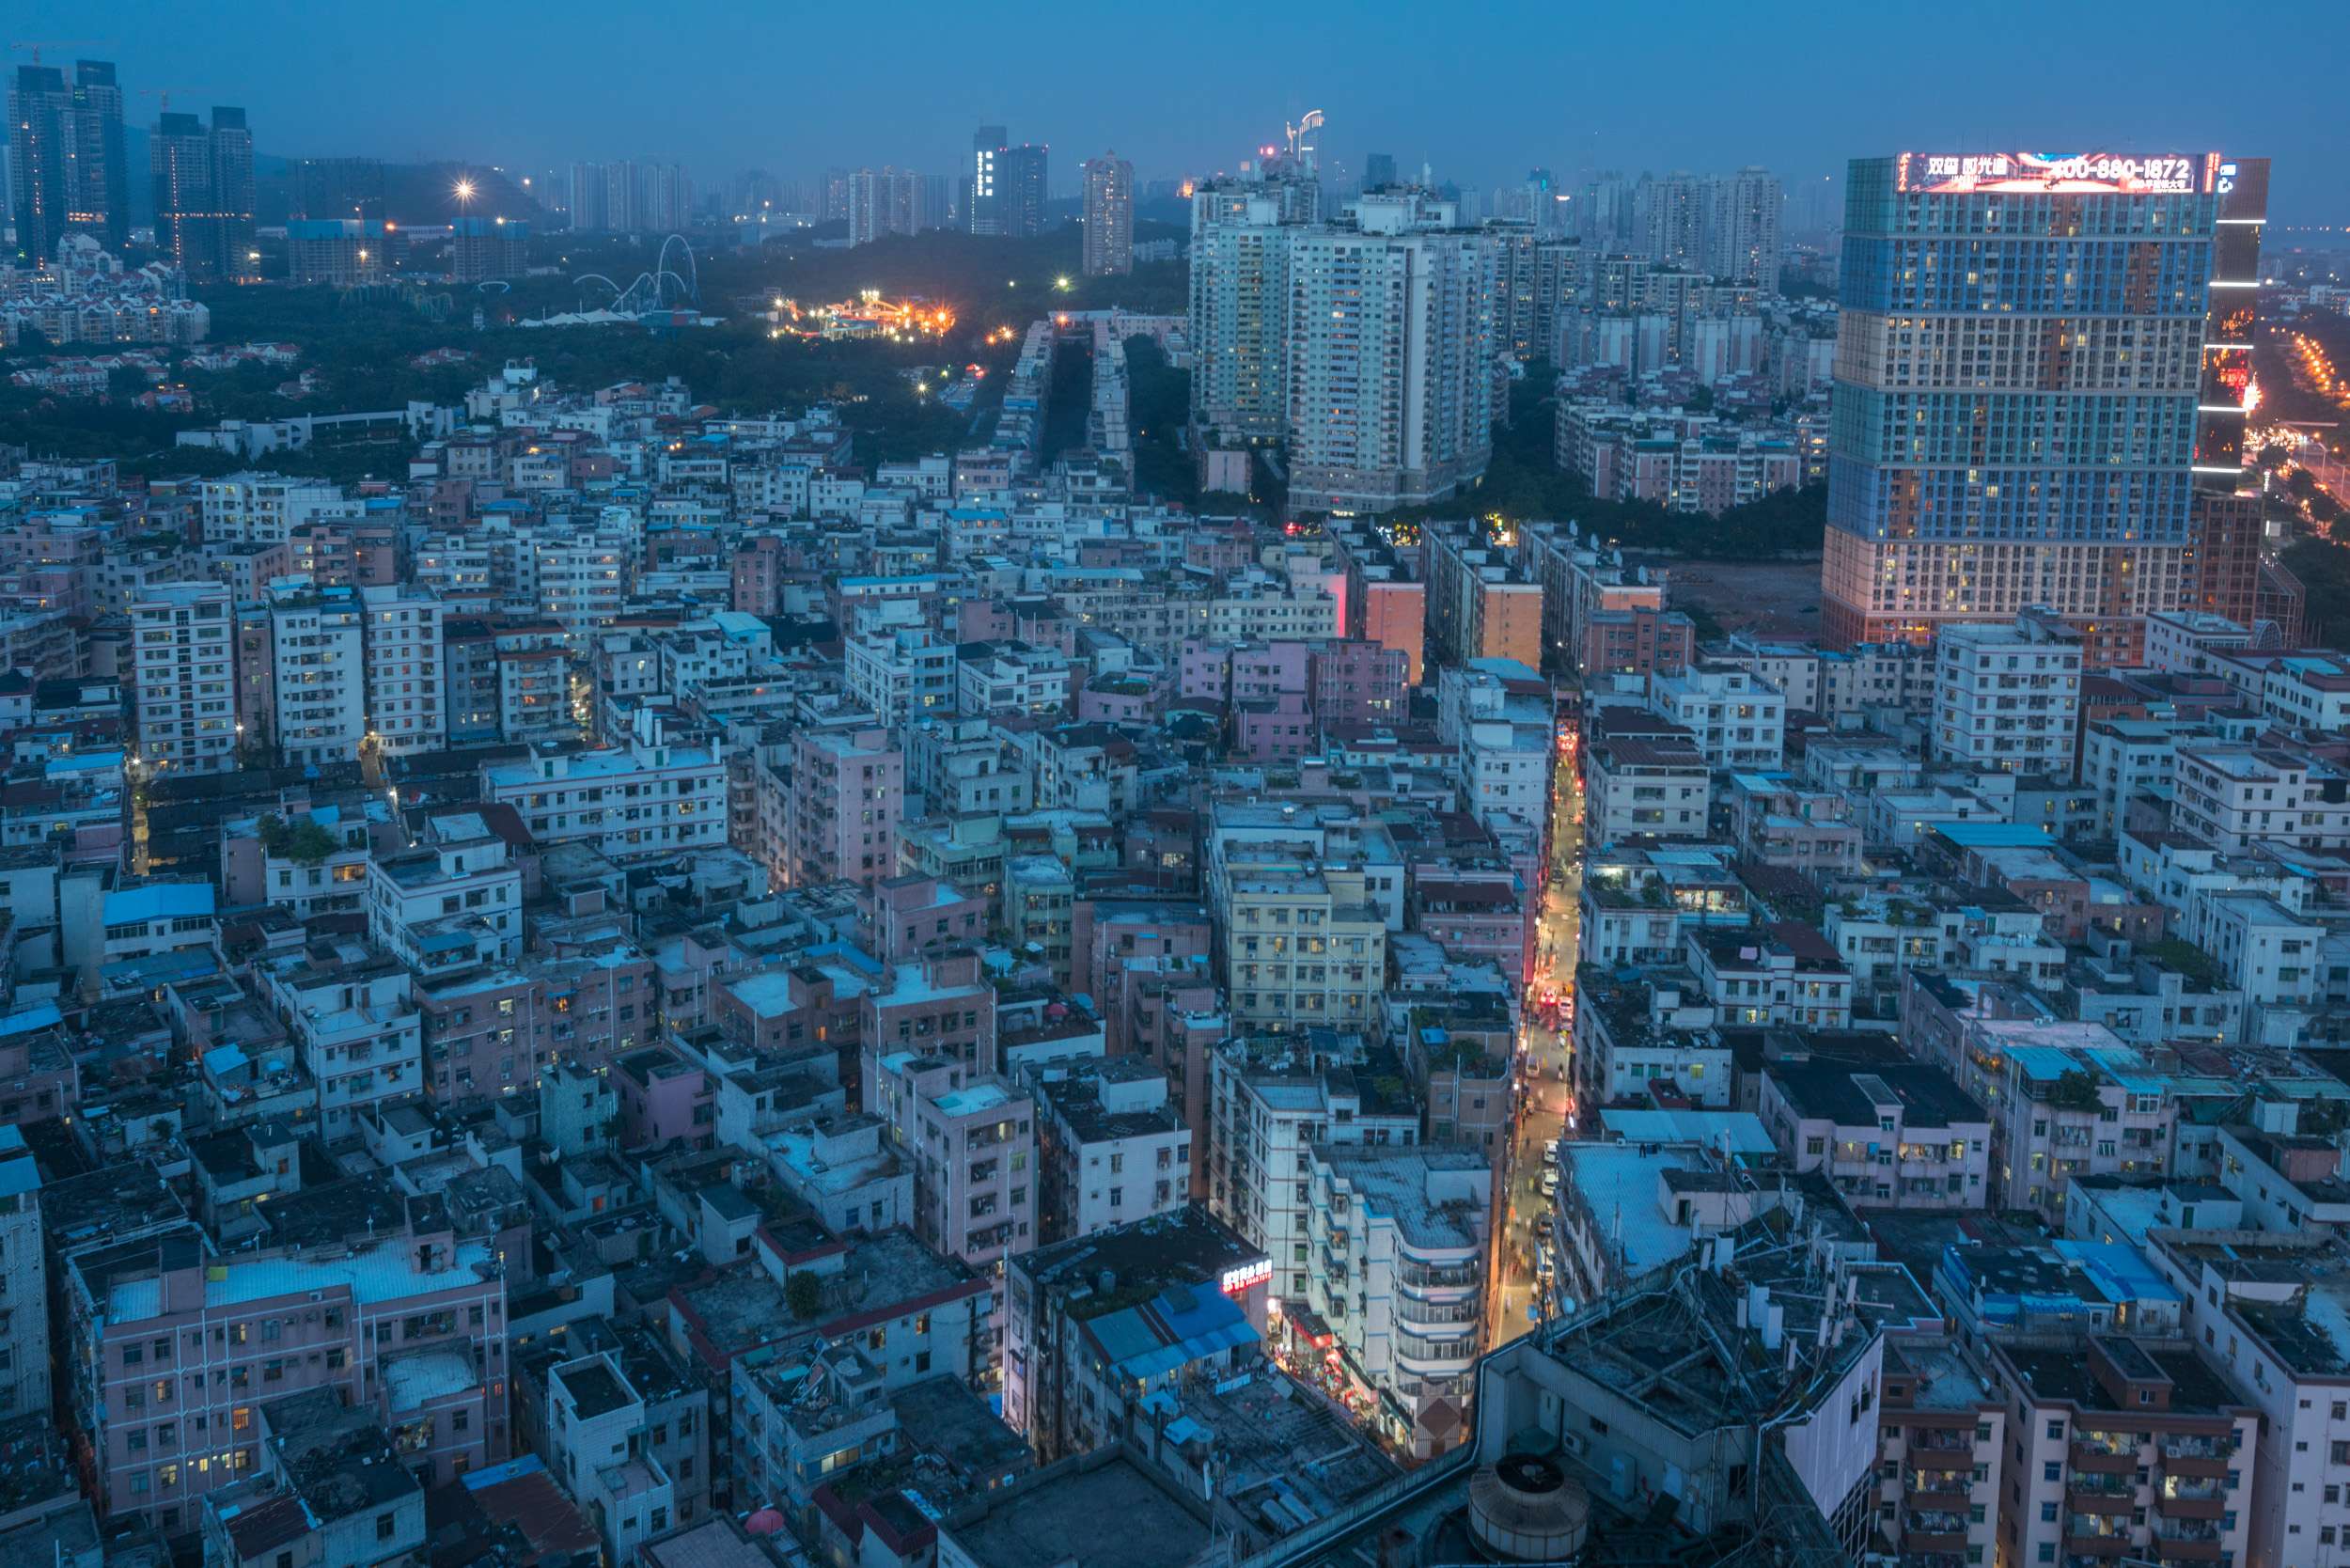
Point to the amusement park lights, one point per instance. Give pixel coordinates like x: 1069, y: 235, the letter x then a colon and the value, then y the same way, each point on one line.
x: 870, y: 315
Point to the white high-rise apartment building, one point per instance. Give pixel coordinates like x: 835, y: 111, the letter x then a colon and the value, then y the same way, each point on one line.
x: 881, y: 202
x: 1725, y: 225
x: 265, y: 509
x: 25, y: 1380
x: 316, y: 646
x: 403, y: 669
x: 1671, y: 212
x: 182, y: 668
x: 1239, y: 313
x: 2007, y: 696
x: 577, y: 582
x: 1366, y: 345
x: 1391, y: 359
x: 1740, y: 239
x: 1109, y: 215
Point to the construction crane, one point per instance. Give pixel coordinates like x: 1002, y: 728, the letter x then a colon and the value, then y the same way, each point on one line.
x: 34, y: 46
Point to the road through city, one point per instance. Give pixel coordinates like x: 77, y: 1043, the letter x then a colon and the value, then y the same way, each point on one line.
x: 1545, y: 1083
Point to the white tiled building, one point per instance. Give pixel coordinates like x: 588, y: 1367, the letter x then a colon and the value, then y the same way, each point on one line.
x: 315, y: 649
x: 2007, y: 696
x: 404, y: 688
x: 1737, y: 719
x: 649, y: 797
x: 183, y: 672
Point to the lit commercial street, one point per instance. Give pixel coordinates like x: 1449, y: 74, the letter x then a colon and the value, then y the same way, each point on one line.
x: 1545, y: 1089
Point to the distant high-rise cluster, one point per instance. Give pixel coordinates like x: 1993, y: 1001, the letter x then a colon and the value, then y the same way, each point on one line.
x: 1109, y: 215
x: 631, y: 195
x: 66, y: 158
x: 338, y: 188
x: 885, y: 201
x: 1725, y: 225
x: 204, y: 195
x: 1365, y: 346
x: 1007, y: 190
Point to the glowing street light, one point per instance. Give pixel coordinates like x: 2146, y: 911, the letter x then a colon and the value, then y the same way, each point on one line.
x: 463, y: 190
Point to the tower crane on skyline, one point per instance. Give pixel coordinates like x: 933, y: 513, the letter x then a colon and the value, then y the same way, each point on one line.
x: 34, y: 46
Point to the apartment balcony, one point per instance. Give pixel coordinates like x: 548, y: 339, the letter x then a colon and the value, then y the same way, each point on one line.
x: 2198, y: 1454
x: 1933, y: 1531
x: 1939, y: 1491
x: 1411, y: 1314
x: 2095, y: 1459
x: 2096, y: 1546
x: 2208, y: 1501
x: 2104, y: 1501
x: 1940, y: 1439
x: 1422, y: 1276
x: 1430, y: 1359
x: 2190, y: 1541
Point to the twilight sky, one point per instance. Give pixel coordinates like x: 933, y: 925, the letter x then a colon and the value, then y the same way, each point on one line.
x: 1483, y: 91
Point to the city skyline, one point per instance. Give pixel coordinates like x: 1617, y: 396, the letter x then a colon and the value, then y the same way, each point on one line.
x: 1477, y: 124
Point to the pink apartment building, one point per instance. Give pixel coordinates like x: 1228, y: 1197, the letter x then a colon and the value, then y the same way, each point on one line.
x: 1203, y: 671
x: 937, y: 1005
x: 1270, y: 669
x: 39, y: 1079
x: 979, y: 619
x: 790, y: 1011
x: 1637, y: 641
x: 902, y: 916
x: 1272, y: 729
x: 841, y: 821
x: 756, y: 575
x: 1354, y: 681
x: 664, y: 1098
x: 171, y: 1349
x: 484, y: 1035
x: 493, y: 1031
x: 1170, y: 1013
x: 1116, y: 700
x: 1475, y: 914
x: 971, y: 1137
x: 1107, y: 933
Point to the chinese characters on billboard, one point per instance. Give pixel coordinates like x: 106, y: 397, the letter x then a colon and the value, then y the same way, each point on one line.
x: 2085, y: 173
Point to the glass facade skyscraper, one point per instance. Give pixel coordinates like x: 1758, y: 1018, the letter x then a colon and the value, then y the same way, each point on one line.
x: 2019, y: 377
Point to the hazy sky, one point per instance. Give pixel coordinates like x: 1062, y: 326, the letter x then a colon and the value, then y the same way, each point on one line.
x: 1481, y: 92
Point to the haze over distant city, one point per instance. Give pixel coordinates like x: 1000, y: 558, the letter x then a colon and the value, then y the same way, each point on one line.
x: 1479, y: 93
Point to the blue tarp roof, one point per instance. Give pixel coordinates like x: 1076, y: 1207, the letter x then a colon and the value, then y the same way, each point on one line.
x: 158, y: 901
x: 2120, y: 1270
x: 24, y: 1020
x: 1177, y: 1326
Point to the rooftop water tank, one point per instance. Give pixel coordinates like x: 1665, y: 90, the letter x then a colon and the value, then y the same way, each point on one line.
x: 1526, y: 1509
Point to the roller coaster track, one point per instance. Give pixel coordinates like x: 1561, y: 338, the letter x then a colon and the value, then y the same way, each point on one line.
x: 646, y: 291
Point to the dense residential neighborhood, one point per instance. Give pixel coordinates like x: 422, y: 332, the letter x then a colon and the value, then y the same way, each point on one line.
x: 1158, y: 944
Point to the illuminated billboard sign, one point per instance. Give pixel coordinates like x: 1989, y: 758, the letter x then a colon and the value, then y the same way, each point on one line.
x: 2082, y: 173
x: 1248, y: 1277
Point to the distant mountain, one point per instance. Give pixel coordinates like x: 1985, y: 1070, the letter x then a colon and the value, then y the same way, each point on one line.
x: 414, y: 192
x: 424, y: 194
